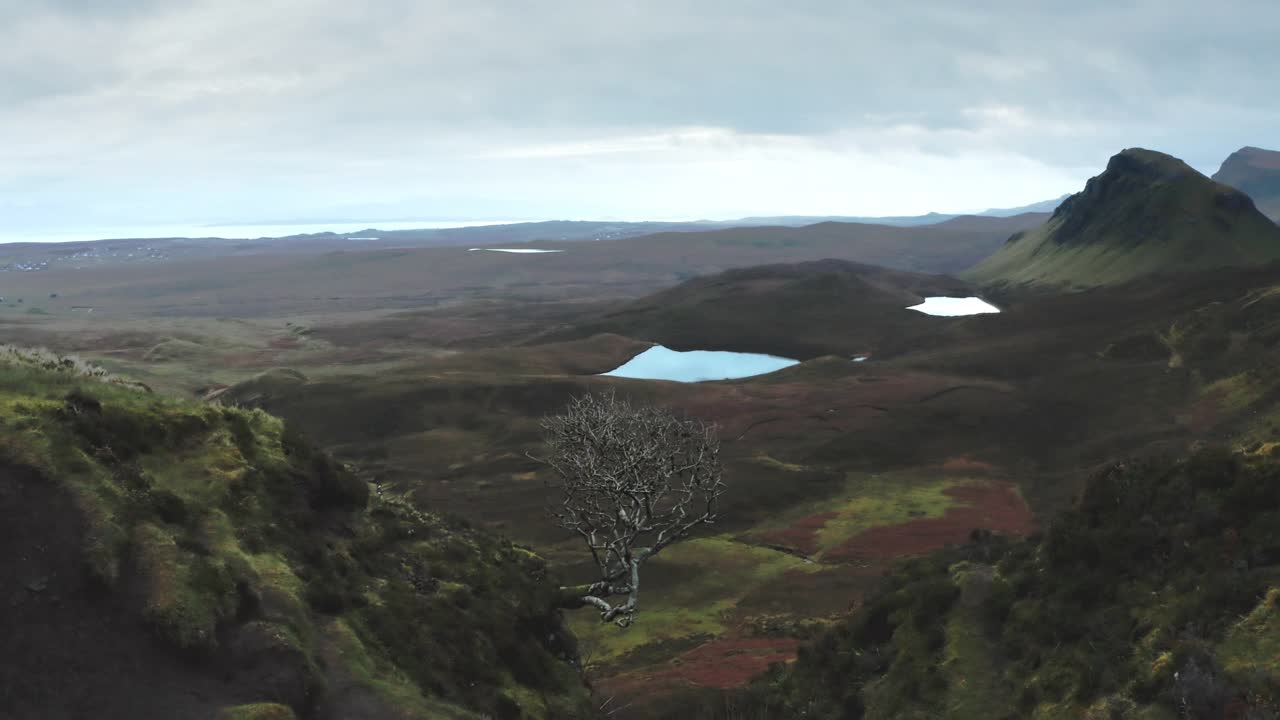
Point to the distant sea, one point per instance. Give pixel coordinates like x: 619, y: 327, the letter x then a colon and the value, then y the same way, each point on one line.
x: 238, y: 232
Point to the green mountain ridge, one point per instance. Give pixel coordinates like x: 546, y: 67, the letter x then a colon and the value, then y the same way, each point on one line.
x: 1146, y: 213
x: 175, y: 559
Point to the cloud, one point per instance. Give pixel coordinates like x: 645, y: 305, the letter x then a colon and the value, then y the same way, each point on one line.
x: 269, y: 106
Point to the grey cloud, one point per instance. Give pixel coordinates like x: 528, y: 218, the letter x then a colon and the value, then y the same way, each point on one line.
x: 288, y: 86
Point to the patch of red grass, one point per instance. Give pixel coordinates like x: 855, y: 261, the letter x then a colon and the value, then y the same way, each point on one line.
x: 964, y: 463
x: 285, y: 343
x: 725, y: 663
x: 781, y: 410
x: 989, y: 506
x: 801, y: 535
x: 1206, y: 411
x: 731, y: 662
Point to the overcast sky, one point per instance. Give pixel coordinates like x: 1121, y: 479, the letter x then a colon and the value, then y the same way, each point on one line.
x: 132, y: 112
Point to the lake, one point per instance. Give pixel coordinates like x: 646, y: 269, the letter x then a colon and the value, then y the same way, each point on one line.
x: 954, y: 307
x: 660, y: 363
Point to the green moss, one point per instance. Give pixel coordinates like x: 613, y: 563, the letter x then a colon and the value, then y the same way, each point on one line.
x: 258, y: 711
x: 972, y: 661
x: 1237, y: 392
x: 186, y: 596
x: 218, y: 522
x: 1253, y: 644
x: 770, y: 461
x: 380, y: 677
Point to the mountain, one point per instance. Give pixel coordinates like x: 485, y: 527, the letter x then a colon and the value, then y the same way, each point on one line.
x: 800, y: 220
x: 1045, y: 206
x: 933, y: 218
x: 994, y: 223
x: 1146, y: 213
x: 170, y: 559
x: 1255, y: 172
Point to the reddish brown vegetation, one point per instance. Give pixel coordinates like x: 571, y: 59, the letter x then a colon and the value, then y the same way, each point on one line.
x: 995, y: 507
x: 964, y: 463
x: 813, y: 410
x: 731, y: 662
x: 801, y: 535
x: 724, y: 663
x: 1206, y: 411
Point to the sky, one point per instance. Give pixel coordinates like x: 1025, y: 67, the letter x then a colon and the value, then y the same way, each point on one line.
x: 160, y: 112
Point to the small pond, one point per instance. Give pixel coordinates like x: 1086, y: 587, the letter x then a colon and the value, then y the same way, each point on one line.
x: 954, y: 307
x: 660, y: 363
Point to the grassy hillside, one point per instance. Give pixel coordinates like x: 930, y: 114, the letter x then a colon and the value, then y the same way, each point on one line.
x: 837, y: 468
x: 1156, y: 596
x: 1255, y: 172
x: 1147, y: 213
x: 172, y: 559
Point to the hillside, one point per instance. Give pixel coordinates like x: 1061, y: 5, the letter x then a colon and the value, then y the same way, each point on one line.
x: 1146, y: 213
x: 170, y: 560
x: 1156, y: 596
x: 801, y: 310
x: 1255, y: 172
x: 838, y: 468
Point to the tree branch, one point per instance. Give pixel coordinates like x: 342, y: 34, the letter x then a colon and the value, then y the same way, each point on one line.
x: 628, y: 474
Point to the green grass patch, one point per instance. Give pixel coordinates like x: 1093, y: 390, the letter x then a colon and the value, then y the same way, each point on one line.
x: 885, y: 500
x: 383, y: 679
x: 772, y: 462
x: 258, y: 711
x: 1237, y: 392
x: 868, y: 501
x: 711, y: 576
x: 1254, y: 642
x: 971, y: 661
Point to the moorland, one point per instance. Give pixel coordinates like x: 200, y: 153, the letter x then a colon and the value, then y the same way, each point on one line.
x: 921, y: 530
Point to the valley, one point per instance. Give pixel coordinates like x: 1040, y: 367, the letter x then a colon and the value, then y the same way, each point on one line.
x: 427, y: 372
x: 663, y: 360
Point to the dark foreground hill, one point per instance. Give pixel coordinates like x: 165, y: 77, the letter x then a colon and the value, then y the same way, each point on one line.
x: 800, y: 310
x: 163, y: 559
x: 1255, y: 172
x: 1146, y: 213
x: 1156, y: 596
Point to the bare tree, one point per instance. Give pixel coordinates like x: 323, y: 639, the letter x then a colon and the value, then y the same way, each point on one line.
x: 633, y: 480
